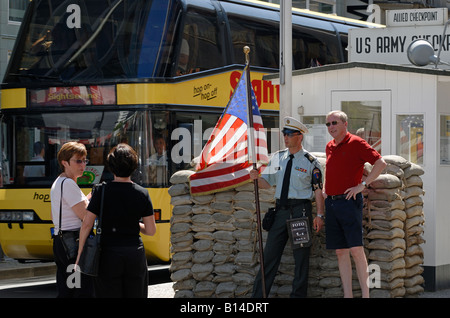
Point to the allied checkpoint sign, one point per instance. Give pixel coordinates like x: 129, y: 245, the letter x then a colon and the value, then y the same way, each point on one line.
x: 389, y: 45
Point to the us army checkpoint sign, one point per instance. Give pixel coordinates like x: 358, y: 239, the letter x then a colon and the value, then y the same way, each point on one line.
x: 389, y: 45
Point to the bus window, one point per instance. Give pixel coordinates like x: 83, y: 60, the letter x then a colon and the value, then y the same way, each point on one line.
x: 156, y: 168
x: 38, y: 168
x: 40, y: 136
x: 145, y: 131
x: 99, y: 40
x: 263, y: 40
x: 314, y: 42
x: 158, y: 162
x: 200, y: 49
x: 4, y: 159
x: 313, y: 47
x: 191, y: 132
x: 33, y: 157
x: 344, y: 40
x: 157, y: 47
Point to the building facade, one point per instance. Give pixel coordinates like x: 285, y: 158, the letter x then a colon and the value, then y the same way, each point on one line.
x: 11, y: 15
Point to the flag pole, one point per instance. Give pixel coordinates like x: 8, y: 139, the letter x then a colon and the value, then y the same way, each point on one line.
x: 253, y: 157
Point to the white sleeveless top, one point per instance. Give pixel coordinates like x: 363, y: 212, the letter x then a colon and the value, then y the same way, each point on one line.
x: 71, y: 196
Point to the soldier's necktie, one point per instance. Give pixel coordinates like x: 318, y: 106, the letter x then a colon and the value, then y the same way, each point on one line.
x: 286, y: 179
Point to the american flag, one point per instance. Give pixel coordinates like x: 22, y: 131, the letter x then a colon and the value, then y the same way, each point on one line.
x: 227, y: 158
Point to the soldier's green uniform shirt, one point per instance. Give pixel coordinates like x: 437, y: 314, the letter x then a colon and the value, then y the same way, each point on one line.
x: 301, y: 182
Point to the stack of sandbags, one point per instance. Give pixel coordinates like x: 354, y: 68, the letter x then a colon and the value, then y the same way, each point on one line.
x: 202, y: 229
x: 245, y: 234
x: 390, y: 225
x: 248, y: 244
x: 224, y: 244
x: 414, y: 229
x: 213, y: 239
x: 385, y: 238
x: 181, y: 237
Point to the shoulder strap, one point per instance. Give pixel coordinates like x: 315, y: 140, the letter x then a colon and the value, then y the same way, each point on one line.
x: 60, y: 207
x: 99, y: 225
x: 309, y: 156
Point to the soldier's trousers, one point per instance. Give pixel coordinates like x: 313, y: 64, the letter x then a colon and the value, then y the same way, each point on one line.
x: 273, y: 250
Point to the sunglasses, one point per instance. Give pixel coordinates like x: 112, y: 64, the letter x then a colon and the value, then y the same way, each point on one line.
x: 334, y: 123
x: 80, y: 161
x: 291, y: 134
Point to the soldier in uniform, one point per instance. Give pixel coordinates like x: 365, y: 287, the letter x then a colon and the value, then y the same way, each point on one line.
x: 303, y: 180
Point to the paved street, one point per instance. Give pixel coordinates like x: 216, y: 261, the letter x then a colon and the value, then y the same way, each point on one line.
x: 45, y: 287
x: 37, y: 280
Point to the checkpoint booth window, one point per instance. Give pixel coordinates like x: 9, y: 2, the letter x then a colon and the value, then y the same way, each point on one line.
x: 364, y: 120
x: 369, y: 115
x: 410, y: 137
x: 444, y: 140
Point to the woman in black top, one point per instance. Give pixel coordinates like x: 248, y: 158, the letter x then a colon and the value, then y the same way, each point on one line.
x: 123, y: 265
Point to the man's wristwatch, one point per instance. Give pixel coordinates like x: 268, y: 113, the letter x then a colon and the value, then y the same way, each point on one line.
x: 321, y: 216
x: 365, y: 184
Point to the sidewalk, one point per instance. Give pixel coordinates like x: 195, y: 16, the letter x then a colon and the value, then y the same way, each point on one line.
x: 10, y: 268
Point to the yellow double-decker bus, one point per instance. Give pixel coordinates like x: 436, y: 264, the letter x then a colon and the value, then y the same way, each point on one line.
x: 153, y: 73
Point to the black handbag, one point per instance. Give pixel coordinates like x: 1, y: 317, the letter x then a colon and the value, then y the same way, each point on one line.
x: 269, y: 218
x: 69, y: 239
x: 90, y: 256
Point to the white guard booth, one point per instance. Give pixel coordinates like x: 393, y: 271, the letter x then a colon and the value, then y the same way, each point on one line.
x: 400, y: 110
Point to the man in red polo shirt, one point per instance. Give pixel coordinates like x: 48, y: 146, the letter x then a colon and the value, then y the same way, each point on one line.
x: 346, y: 156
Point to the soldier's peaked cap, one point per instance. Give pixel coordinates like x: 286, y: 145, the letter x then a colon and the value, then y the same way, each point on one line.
x: 294, y: 124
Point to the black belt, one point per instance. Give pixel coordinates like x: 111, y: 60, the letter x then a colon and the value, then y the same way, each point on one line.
x: 67, y: 231
x: 338, y: 197
x: 290, y: 203
x: 70, y: 231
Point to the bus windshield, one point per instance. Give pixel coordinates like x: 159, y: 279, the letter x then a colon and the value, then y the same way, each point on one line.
x: 38, y: 137
x: 94, y: 39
